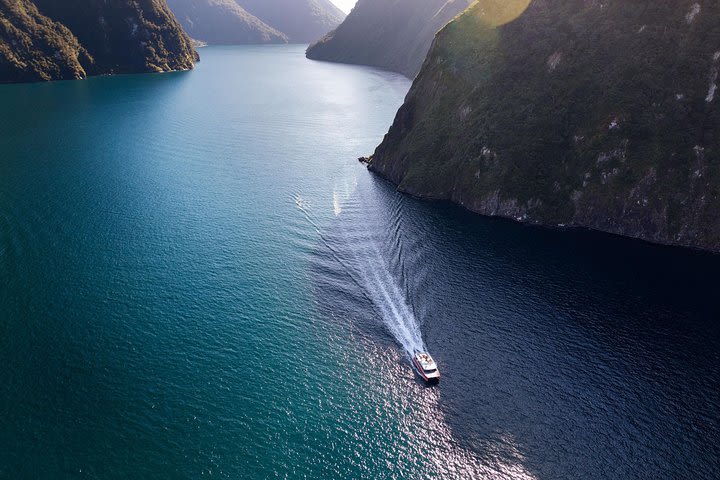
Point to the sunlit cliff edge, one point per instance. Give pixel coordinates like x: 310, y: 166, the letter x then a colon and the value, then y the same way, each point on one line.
x: 584, y: 113
x: 43, y: 40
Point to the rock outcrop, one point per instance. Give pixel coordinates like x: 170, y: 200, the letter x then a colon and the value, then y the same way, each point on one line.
x: 602, y: 115
x: 44, y: 40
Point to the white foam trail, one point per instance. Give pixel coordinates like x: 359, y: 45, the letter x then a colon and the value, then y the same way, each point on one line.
x: 371, y: 273
x: 337, y: 208
x: 400, y: 319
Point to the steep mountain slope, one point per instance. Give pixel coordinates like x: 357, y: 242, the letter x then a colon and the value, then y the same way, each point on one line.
x: 51, y: 40
x: 391, y: 34
x: 33, y: 47
x: 303, y: 21
x: 596, y: 114
x: 125, y: 36
x: 221, y: 22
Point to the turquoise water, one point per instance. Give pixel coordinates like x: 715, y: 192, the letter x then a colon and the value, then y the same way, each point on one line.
x: 200, y: 280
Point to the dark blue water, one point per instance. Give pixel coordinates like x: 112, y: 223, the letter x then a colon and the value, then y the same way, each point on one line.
x: 199, y: 280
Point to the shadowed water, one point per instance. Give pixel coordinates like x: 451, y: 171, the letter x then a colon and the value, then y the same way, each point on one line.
x: 201, y: 281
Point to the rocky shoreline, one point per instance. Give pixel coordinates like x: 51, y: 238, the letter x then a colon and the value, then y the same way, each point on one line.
x: 508, y: 216
x: 620, y: 135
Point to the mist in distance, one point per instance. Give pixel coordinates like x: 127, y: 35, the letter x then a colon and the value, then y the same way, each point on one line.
x: 345, y: 5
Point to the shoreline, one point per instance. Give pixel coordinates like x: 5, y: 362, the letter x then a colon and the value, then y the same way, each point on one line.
x: 367, y: 161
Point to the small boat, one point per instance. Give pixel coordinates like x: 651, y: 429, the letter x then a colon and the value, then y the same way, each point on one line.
x: 426, y: 367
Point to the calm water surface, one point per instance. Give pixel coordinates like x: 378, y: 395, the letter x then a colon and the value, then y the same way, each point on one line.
x: 199, y: 280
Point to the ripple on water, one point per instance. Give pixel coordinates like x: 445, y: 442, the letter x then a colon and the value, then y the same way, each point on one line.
x: 169, y: 310
x: 542, y: 362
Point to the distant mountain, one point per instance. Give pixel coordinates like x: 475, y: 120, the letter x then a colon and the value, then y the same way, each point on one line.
x: 303, y: 21
x: 52, y: 40
x: 603, y: 115
x: 221, y: 22
x: 391, y: 34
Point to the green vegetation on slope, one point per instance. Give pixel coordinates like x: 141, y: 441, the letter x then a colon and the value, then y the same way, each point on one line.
x: 219, y: 22
x: 44, y: 40
x: 602, y: 115
x: 394, y: 35
x: 33, y: 47
x: 125, y: 36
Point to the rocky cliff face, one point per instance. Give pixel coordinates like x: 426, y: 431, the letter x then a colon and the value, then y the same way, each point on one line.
x: 598, y: 114
x: 223, y: 22
x: 394, y: 35
x: 33, y: 47
x: 51, y: 40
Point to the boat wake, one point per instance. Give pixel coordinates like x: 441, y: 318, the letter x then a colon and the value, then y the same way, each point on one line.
x: 369, y: 270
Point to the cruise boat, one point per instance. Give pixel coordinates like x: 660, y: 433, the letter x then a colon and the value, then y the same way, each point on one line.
x: 425, y: 366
